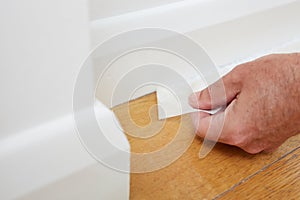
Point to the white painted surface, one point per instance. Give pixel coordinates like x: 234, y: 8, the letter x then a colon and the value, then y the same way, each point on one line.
x: 227, y: 42
x: 251, y: 36
x: 43, y: 44
x: 182, y: 16
x: 103, y: 8
x: 48, y: 161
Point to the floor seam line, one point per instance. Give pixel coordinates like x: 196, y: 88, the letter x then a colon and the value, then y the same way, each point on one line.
x: 254, y: 174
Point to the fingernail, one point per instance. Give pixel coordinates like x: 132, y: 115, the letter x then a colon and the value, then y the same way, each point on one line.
x: 193, y: 100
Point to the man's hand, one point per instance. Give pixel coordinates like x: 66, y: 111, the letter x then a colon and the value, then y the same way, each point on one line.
x: 263, y: 104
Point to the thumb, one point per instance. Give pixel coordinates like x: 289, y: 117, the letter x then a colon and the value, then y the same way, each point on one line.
x: 219, y: 127
x: 219, y: 93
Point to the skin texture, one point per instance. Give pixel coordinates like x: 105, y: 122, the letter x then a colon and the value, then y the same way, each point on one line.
x: 262, y: 104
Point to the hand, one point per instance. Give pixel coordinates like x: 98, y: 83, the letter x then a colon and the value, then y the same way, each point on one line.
x: 263, y: 104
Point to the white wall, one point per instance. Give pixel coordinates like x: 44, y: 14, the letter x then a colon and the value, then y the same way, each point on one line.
x: 42, y: 46
x: 103, y: 8
x: 182, y: 16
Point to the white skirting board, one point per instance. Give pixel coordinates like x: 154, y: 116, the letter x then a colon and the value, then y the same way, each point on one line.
x: 50, y: 162
x: 228, y: 42
x: 183, y: 16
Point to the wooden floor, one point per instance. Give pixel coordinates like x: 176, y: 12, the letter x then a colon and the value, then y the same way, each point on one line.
x: 226, y: 173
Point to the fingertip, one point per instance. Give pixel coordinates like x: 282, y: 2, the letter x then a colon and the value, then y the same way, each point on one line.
x: 200, y: 100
